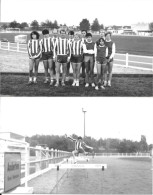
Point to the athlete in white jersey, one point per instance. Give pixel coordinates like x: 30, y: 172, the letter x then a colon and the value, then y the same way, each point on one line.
x: 79, y: 144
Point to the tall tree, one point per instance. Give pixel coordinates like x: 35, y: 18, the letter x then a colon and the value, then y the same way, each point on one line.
x: 14, y: 24
x: 143, y: 144
x: 35, y: 25
x: 23, y: 25
x: 95, y: 25
x: 84, y: 24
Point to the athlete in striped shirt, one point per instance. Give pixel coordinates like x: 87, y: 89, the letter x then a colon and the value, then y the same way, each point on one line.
x: 76, y: 58
x: 79, y: 144
x: 47, y: 55
x: 71, y: 38
x: 111, y: 52
x: 62, y: 55
x: 34, y: 51
x: 101, y: 61
x: 54, y: 38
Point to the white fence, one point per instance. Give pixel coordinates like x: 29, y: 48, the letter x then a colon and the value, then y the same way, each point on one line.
x: 34, y: 160
x: 123, y: 60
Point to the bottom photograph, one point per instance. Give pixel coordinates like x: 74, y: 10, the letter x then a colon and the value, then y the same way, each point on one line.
x: 76, y: 145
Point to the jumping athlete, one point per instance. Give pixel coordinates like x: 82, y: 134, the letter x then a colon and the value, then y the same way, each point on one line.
x: 78, y: 146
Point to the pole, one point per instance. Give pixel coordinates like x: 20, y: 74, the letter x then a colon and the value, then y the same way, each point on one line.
x: 84, y: 122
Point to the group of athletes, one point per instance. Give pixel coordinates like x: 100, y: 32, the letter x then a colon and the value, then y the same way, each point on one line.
x: 78, y: 51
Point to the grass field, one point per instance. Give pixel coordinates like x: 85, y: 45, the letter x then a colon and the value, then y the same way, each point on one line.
x: 124, y: 44
x: 122, y: 176
x: 122, y: 85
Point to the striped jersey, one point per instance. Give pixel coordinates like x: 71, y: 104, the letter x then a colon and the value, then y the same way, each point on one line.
x: 47, y: 45
x: 62, y: 47
x: 78, y: 143
x: 34, y: 47
x: 77, y: 47
x: 54, y: 39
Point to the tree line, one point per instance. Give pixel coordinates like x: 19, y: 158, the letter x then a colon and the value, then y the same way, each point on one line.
x: 100, y: 146
x: 34, y: 25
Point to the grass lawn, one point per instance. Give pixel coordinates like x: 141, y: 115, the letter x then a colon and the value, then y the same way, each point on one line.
x: 122, y: 85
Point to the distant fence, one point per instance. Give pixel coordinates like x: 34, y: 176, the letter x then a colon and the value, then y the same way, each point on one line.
x: 34, y: 160
x: 123, y: 154
x: 123, y: 60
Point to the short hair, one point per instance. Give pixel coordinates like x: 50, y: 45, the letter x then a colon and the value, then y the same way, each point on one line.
x: 71, y: 32
x: 62, y: 30
x: 84, y: 31
x: 34, y: 33
x: 108, y: 33
x: 79, y: 137
x: 45, y: 32
x: 88, y: 35
x: 77, y: 34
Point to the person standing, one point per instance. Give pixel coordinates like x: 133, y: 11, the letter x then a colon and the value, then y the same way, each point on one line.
x: 47, y: 55
x: 62, y: 56
x: 34, y: 50
x: 111, y: 52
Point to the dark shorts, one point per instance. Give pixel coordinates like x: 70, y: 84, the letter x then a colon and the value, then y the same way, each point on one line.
x: 80, y: 151
x: 110, y: 60
x: 101, y: 60
x: 47, y: 56
x: 76, y: 58
x: 62, y: 58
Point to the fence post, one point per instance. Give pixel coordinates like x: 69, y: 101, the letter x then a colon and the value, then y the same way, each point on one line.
x: 18, y: 47
x: 27, y: 151
x: 8, y: 46
x: 38, y: 157
x: 127, y: 60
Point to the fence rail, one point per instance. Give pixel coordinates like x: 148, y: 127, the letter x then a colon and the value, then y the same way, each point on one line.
x: 34, y: 160
x: 123, y: 154
x: 123, y: 60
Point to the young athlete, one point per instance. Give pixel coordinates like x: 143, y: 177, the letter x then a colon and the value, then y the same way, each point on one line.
x: 76, y: 58
x: 101, y: 35
x: 111, y: 52
x: 47, y: 55
x: 101, y: 61
x: 34, y: 51
x: 83, y: 33
x: 89, y: 48
x: 54, y: 38
x: 62, y: 56
x: 71, y: 38
x: 79, y: 144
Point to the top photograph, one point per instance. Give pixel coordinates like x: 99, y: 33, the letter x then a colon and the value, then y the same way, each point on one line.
x: 76, y: 48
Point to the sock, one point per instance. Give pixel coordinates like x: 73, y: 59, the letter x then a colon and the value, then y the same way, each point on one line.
x: 34, y: 79
x: 30, y: 79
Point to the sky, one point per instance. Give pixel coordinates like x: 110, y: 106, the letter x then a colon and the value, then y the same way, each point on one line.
x: 122, y: 118
x: 71, y: 12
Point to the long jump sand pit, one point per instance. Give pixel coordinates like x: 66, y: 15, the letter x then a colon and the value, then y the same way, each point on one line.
x: 122, y: 176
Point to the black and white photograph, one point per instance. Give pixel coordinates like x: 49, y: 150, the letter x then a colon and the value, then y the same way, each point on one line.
x: 76, y: 97
x: 76, y: 48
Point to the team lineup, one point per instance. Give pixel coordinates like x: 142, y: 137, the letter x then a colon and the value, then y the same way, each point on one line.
x: 76, y: 51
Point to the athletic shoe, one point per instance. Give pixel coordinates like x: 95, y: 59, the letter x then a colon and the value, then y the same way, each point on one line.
x: 46, y: 81
x: 97, y: 88
x: 35, y: 82
x: 93, y: 84
x: 29, y: 83
x: 77, y: 83
x: 109, y: 84
x: 87, y: 85
x: 56, y: 84
x: 105, y: 83
x: 51, y: 82
x: 63, y: 84
x: 102, y: 87
x: 74, y: 83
